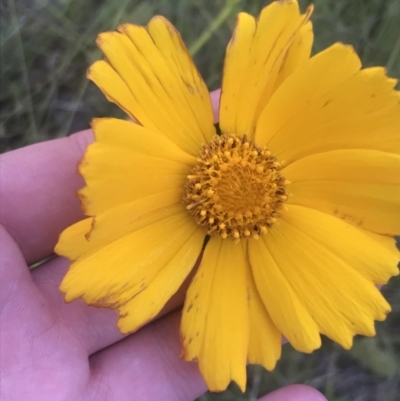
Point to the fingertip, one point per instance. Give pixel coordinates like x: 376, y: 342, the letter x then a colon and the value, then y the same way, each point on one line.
x: 295, y: 392
x: 215, y: 95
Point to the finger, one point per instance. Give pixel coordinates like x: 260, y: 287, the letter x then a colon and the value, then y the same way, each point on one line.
x: 38, y: 185
x: 95, y: 327
x: 146, y: 366
x: 296, y: 392
x: 14, y: 274
x: 215, y: 96
x: 23, y: 310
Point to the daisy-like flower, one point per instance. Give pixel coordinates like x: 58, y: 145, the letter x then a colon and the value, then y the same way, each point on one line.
x: 298, y: 194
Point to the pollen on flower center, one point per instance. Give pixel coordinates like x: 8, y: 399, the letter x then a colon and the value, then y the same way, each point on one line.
x: 235, y: 190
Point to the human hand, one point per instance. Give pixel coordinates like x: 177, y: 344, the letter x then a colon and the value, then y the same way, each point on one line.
x: 51, y: 350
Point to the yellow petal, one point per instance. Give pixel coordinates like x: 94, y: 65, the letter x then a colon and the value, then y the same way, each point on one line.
x: 156, y: 291
x: 265, y: 339
x: 89, y: 235
x: 299, y: 52
x: 362, y: 111
x: 192, y: 87
x: 341, y: 300
x: 215, y: 326
x: 128, y: 162
x: 254, y: 60
x: 112, y: 85
x: 169, y: 94
x: 373, y: 207
x: 359, y: 186
x: 116, y: 132
x: 369, y: 254
x: 312, y: 80
x: 350, y: 165
x: 235, y: 69
x: 285, y: 307
x: 113, y: 274
x: 388, y: 242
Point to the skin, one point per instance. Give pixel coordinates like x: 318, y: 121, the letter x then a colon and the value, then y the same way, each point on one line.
x: 51, y: 350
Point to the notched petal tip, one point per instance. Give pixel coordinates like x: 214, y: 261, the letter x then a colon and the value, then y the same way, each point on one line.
x: 93, y: 71
x: 174, y: 33
x: 161, y: 19
x: 89, y: 72
x: 58, y: 249
x: 123, y: 28
x: 385, y: 312
x: 83, y: 199
x: 347, y: 345
x: 102, y: 37
x: 96, y: 123
x: 285, y: 3
x: 124, y: 328
x: 68, y: 298
x: 343, y: 46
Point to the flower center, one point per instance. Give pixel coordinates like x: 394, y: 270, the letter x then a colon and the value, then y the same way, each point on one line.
x: 235, y: 190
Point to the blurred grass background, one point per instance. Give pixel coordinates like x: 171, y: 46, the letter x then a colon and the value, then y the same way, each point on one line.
x: 45, y: 49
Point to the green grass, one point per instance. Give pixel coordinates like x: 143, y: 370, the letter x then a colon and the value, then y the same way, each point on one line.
x: 46, y: 47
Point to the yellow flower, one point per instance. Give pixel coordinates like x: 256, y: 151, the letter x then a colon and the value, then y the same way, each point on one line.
x: 299, y: 193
